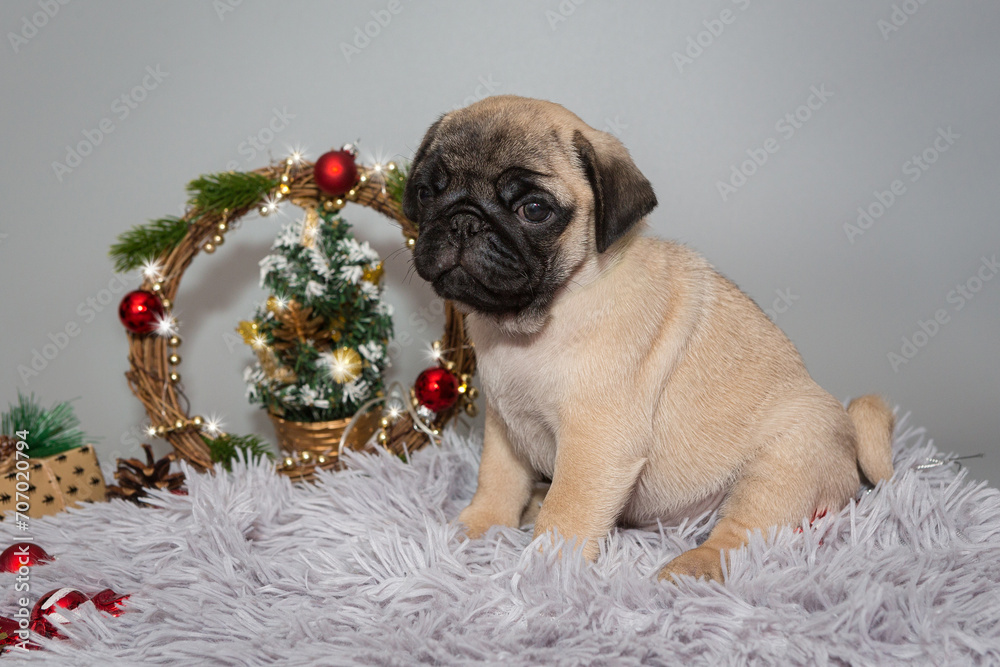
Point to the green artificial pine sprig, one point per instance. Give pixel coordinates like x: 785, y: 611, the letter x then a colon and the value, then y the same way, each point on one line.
x: 223, y: 449
x: 49, y: 432
x: 395, y: 181
x: 146, y: 242
x: 213, y: 193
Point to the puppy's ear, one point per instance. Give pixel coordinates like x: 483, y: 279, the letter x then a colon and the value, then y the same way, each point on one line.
x: 622, y: 195
x: 410, y: 204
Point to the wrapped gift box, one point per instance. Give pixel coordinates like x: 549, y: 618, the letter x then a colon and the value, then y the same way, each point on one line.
x: 55, y: 483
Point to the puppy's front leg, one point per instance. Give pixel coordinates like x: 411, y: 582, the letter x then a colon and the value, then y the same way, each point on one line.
x: 595, y: 472
x: 505, y: 483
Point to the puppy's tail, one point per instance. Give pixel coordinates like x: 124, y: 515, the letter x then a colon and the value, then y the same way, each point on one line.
x: 874, y: 423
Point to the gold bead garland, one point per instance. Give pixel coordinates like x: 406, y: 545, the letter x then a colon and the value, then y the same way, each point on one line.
x: 154, y: 359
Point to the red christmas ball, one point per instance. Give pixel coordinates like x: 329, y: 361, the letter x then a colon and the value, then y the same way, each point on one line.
x: 335, y: 172
x: 436, y: 389
x: 109, y: 602
x: 8, y: 631
x: 51, y: 605
x: 140, y: 311
x: 22, y: 553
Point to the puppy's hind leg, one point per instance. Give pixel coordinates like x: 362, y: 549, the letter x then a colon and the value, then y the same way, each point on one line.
x: 802, y: 472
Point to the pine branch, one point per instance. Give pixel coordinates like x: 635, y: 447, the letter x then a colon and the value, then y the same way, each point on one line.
x: 144, y: 242
x: 395, y: 181
x: 50, y: 432
x: 212, y: 193
x: 224, y: 448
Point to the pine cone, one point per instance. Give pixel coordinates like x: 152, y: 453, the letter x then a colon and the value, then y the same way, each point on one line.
x: 297, y: 326
x: 134, y: 477
x: 8, y: 453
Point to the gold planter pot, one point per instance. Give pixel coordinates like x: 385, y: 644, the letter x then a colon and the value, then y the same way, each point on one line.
x: 323, y: 437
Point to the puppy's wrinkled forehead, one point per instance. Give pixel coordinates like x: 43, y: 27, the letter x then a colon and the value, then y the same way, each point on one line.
x: 500, y: 133
x: 482, y: 146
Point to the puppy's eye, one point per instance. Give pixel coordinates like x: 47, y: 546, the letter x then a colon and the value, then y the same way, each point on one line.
x: 424, y: 194
x: 534, y: 211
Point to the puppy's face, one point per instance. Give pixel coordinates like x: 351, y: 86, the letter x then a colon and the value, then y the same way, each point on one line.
x: 510, y: 195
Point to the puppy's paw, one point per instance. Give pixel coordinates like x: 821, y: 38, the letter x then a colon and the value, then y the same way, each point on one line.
x: 700, y: 563
x: 475, y: 522
x: 589, y: 549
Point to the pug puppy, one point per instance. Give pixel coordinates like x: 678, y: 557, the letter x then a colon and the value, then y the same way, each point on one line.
x: 645, y: 385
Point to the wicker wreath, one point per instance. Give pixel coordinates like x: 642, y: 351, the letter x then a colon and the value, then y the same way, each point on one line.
x: 152, y: 376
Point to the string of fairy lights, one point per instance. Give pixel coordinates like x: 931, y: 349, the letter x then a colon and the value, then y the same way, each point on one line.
x: 149, y: 312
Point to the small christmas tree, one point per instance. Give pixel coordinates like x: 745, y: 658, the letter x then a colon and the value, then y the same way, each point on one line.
x: 321, y: 337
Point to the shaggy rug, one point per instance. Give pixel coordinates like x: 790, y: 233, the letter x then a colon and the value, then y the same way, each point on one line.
x: 363, y: 568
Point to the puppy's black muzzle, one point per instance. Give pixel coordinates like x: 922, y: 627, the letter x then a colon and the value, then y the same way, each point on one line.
x: 463, y: 226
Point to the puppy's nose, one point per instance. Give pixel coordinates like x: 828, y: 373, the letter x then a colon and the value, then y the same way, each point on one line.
x: 465, y: 225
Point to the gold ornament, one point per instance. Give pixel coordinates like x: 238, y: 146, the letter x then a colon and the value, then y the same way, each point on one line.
x: 310, y: 228
x: 209, y: 248
x: 174, y: 341
x: 218, y: 240
x: 276, y: 304
x: 174, y: 359
x: 167, y: 303
x: 175, y: 377
x: 272, y: 367
x: 373, y: 274
x: 345, y: 365
x: 247, y: 331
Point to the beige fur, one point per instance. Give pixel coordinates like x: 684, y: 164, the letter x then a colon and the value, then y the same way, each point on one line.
x: 653, y: 389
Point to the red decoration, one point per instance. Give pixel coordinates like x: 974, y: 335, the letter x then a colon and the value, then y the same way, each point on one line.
x: 22, y: 554
x: 436, y: 389
x: 54, y: 602
x: 109, y: 602
x: 140, y: 311
x: 335, y: 172
x: 8, y: 632
x: 51, y: 604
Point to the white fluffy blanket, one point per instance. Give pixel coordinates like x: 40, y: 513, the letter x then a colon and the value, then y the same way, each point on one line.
x: 363, y: 568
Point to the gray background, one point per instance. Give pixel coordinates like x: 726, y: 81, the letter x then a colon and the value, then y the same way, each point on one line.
x: 228, y: 66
